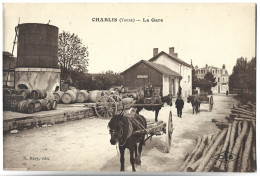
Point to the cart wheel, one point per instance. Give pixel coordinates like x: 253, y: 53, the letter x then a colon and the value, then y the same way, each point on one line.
x: 210, y: 103
x: 105, y: 106
x: 119, y: 103
x: 169, y: 130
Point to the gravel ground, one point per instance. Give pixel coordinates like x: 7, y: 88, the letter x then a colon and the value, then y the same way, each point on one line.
x: 83, y: 145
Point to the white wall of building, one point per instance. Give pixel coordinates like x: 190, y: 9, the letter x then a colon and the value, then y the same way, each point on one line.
x: 166, y: 82
x: 184, y: 71
x: 165, y: 60
x: 222, y: 78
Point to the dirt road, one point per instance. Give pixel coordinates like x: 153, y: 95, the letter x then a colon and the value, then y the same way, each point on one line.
x: 83, y: 145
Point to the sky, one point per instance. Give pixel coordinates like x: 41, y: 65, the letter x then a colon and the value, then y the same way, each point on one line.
x: 213, y: 34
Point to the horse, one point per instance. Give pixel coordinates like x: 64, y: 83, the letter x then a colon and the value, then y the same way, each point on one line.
x: 195, y: 104
x: 166, y: 99
x: 122, y: 128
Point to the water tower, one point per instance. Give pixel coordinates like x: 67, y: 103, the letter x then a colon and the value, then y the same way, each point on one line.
x: 37, y: 57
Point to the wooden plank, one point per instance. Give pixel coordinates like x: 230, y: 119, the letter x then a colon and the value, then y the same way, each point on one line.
x: 145, y: 105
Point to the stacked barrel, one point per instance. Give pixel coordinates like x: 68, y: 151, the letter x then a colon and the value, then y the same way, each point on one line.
x: 28, y: 101
x: 74, y: 95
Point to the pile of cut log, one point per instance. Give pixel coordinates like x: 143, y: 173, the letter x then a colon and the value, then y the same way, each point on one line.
x: 231, y: 149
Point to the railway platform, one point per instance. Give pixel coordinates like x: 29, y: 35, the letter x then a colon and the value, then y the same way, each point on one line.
x: 64, y: 112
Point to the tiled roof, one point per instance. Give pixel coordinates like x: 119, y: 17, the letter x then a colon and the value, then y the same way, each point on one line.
x: 170, y: 56
x: 209, y: 67
x: 162, y: 69
x: 159, y: 67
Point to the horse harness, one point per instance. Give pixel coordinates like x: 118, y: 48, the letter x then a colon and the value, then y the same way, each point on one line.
x: 131, y: 120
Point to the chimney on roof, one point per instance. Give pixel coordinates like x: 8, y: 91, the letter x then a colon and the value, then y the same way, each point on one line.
x: 155, y: 51
x: 171, y: 52
x: 224, y: 67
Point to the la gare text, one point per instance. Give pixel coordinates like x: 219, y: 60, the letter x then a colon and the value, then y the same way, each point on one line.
x: 127, y: 20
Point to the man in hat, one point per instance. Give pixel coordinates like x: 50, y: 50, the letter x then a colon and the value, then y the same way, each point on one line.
x: 179, y: 103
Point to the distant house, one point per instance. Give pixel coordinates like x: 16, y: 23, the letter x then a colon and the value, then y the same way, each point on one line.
x: 9, y: 64
x: 163, y: 70
x: 221, y: 75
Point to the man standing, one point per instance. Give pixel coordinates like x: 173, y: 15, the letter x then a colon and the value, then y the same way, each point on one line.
x: 179, y: 103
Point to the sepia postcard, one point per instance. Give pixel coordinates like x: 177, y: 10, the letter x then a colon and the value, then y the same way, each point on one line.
x: 120, y: 87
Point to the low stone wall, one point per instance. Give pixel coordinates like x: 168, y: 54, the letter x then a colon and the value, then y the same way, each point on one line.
x: 45, y: 118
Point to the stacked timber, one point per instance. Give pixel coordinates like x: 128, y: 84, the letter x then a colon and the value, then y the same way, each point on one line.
x: 153, y: 128
x: 231, y: 149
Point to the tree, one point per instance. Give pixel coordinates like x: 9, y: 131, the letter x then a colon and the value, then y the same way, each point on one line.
x: 72, y: 54
x: 204, y: 84
x: 243, y: 75
x: 212, y: 80
x: 195, y: 79
x: 111, y: 78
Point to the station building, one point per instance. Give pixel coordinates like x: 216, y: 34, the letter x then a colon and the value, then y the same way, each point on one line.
x: 163, y: 70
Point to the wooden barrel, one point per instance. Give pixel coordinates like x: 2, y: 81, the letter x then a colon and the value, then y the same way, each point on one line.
x: 10, y: 101
x: 94, y: 95
x: 54, y: 104
x: 73, y: 88
x: 13, y: 91
x: 6, y: 91
x: 82, y: 96
x: 38, y: 94
x: 45, y: 104
x: 69, y: 97
x: 7, y: 102
x: 26, y: 106
x: 24, y: 92
x: 124, y: 90
x: 58, y: 95
x: 53, y: 101
x: 38, y: 106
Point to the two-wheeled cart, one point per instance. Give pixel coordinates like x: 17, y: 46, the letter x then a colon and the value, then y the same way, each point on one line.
x: 157, y: 128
